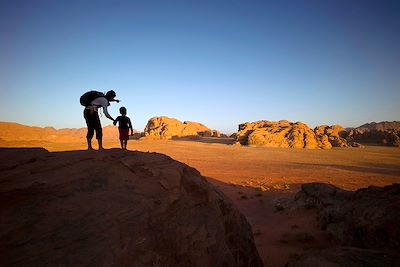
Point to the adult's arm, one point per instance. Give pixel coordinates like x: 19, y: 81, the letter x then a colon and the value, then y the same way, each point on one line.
x: 116, y: 120
x: 103, y: 102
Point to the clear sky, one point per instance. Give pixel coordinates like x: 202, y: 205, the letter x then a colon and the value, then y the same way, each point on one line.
x: 220, y: 63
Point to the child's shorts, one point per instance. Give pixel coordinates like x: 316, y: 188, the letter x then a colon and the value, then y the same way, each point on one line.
x: 123, y: 134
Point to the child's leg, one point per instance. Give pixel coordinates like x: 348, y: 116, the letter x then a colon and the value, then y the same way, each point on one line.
x: 122, y: 144
x: 126, y: 143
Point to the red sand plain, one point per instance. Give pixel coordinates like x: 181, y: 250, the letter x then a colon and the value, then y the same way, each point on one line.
x: 256, y: 178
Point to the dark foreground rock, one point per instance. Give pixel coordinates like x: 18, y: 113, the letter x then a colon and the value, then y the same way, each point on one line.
x: 367, y: 220
x: 369, y: 217
x: 346, y: 257
x: 115, y: 208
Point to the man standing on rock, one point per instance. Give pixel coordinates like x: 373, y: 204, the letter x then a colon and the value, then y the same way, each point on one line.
x: 92, y: 101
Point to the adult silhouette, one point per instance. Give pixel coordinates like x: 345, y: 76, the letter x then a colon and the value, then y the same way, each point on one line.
x: 96, y: 100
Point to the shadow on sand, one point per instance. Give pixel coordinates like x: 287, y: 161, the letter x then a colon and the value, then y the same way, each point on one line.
x: 208, y: 140
x: 387, y: 169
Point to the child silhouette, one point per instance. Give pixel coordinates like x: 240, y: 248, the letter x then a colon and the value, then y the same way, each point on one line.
x: 123, y: 127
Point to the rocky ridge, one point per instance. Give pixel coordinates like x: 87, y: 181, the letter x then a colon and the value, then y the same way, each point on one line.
x: 364, y: 224
x: 115, y: 208
x: 10, y: 131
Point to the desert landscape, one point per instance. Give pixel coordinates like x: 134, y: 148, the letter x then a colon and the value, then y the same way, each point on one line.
x: 199, y: 133
x: 263, y: 183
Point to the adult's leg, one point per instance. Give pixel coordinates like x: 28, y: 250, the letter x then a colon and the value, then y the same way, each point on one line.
x: 125, y: 143
x: 90, y: 129
x: 98, y: 129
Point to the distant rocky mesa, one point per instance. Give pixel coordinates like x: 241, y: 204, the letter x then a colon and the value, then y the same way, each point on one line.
x: 381, y: 126
x: 382, y: 133
x: 298, y: 135
x: 168, y: 128
x: 12, y: 132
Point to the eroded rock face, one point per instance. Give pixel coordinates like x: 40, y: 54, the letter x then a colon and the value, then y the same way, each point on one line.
x: 336, y: 135
x: 294, y: 135
x: 167, y: 128
x: 365, y: 224
x: 376, y: 137
x: 115, y: 208
x: 366, y: 218
x: 381, y: 126
x: 277, y: 134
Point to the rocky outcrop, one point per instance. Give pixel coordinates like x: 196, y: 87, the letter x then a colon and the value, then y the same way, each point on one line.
x: 277, y: 134
x: 115, y: 208
x: 366, y: 218
x: 293, y: 135
x: 375, y: 137
x: 167, y: 128
x: 335, y: 134
x: 364, y: 223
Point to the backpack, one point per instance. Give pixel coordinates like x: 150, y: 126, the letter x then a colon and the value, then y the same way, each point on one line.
x: 88, y: 97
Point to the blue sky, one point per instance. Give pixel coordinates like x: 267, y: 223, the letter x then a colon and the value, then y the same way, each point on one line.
x: 220, y: 63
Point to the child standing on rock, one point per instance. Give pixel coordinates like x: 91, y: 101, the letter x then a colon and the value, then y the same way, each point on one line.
x: 123, y: 127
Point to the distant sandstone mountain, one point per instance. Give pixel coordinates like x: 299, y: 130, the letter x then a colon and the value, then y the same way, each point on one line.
x: 10, y: 131
x: 167, y: 128
x: 120, y: 209
x: 381, y: 126
x: 381, y: 133
x: 291, y: 135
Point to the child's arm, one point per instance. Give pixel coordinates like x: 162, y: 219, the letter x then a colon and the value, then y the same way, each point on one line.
x: 130, y: 126
x: 116, y: 120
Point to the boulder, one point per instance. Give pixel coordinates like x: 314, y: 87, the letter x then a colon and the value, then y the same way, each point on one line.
x: 115, y: 208
x: 365, y: 218
x: 167, y: 128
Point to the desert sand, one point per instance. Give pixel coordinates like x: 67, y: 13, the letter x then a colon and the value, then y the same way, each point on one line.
x: 259, y: 180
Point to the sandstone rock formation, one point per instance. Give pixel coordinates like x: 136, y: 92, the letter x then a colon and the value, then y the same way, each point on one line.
x: 336, y: 135
x: 386, y: 133
x: 375, y: 137
x: 167, y: 128
x: 277, y: 134
x: 14, y: 132
x: 294, y: 135
x: 115, y: 208
x: 366, y: 218
x: 381, y: 126
x: 364, y: 223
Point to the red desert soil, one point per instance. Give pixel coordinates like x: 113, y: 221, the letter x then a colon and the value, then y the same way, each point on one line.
x: 256, y: 179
